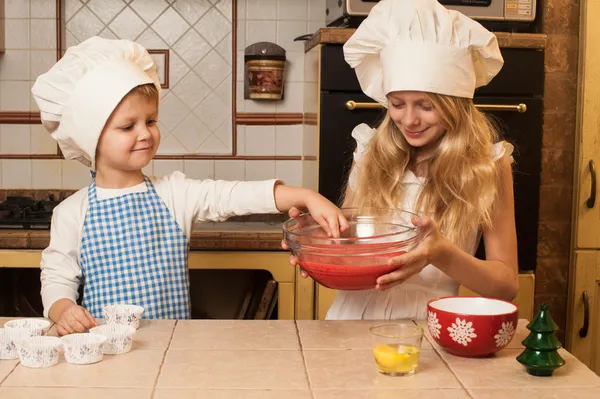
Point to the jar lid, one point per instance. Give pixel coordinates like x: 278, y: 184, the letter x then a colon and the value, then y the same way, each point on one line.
x: 264, y: 51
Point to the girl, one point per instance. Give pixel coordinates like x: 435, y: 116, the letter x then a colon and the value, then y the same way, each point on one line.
x: 434, y: 154
x: 126, y: 235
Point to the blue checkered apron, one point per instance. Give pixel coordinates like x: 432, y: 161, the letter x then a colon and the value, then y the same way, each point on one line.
x: 134, y: 252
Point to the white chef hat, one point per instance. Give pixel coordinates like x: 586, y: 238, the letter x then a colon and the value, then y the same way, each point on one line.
x: 78, y: 94
x: 419, y: 45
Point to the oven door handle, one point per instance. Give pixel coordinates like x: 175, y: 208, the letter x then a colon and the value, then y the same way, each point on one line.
x: 520, y: 108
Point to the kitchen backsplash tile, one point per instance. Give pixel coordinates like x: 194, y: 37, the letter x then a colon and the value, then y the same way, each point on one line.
x: 16, y: 173
x: 46, y: 173
x: 196, y: 108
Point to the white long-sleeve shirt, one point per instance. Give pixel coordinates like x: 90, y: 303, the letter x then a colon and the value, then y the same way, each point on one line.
x: 189, y: 201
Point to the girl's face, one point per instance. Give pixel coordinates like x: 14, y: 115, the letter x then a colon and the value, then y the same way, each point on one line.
x: 130, y: 137
x: 420, y: 123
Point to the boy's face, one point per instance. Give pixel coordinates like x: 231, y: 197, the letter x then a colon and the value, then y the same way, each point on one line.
x: 130, y: 137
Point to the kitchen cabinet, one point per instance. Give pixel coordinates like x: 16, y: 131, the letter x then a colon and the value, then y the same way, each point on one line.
x: 583, y: 323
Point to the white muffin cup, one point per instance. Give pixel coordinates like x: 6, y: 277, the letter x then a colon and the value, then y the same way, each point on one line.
x: 83, y: 348
x: 39, y: 351
x: 119, y: 338
x: 9, y: 339
x: 37, y: 327
x: 129, y: 315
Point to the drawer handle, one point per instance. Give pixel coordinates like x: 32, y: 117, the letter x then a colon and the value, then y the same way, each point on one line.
x: 592, y: 200
x: 586, y: 315
x: 520, y: 108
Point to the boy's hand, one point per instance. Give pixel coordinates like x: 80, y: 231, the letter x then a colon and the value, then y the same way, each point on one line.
x: 73, y: 318
x: 329, y: 216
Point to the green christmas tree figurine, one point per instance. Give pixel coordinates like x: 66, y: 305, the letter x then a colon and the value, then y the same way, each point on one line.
x: 540, y: 356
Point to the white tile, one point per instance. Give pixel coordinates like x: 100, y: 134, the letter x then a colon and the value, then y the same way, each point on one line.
x: 41, y: 141
x: 199, y: 169
x: 310, y: 144
x: 293, y: 100
x: 224, y: 90
x: 310, y: 175
x: 261, y: 31
x: 241, y: 140
x: 41, y: 61
x: 293, y: 10
x: 225, y: 49
x: 192, y: 10
x: 226, y: 8
x: 177, y: 68
x: 192, y: 48
x: 288, y: 140
x: 149, y: 10
x: 84, y: 24
x: 14, y: 65
x: 75, y: 175
x: 214, y: 146
x: 170, y: 26
x: 43, y: 34
x: 16, y: 173
x: 42, y: 9
x: 260, y: 170
x: 150, y: 40
x: 241, y: 9
x: 260, y: 106
x: 108, y: 34
x: 225, y: 135
x: 106, y: 10
x: 229, y: 170
x: 191, y: 90
x: 241, y: 34
x: 294, y: 66
x: 70, y: 39
x: 148, y: 170
x: 70, y: 8
x: 173, y: 111
x: 46, y: 173
x: 213, y: 69
x: 239, y: 67
x: 213, y: 111
x: 260, y: 140
x: 213, y: 26
x: 163, y: 167
x: 16, y: 9
x: 290, y: 172
x: 287, y: 31
x: 171, y: 146
x: 239, y: 97
x: 15, y: 96
x: 15, y: 139
x: 17, y: 34
x: 316, y: 10
x: 314, y: 26
x: 191, y: 133
x: 261, y: 9
x: 127, y: 25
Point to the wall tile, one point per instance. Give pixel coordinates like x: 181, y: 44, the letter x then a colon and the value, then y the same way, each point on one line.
x: 260, y: 170
x: 288, y: 140
x: 557, y: 167
x: 229, y: 170
x: 261, y: 9
x: 75, y: 175
x: 41, y: 141
x: 241, y: 140
x: 260, y: 140
x: 310, y: 175
x: 261, y: 31
x: 293, y: 100
x: 42, y: 9
x: 43, y: 34
x: 16, y: 173
x: 17, y: 34
x: 46, y: 173
x: 15, y: 139
x: 41, y: 61
x: 200, y: 169
x: 14, y: 65
x: 16, y: 9
x: 290, y: 172
x: 559, y: 130
x: 15, y: 96
x: 316, y: 10
x: 294, y: 68
x: 192, y: 10
x: 287, y: 31
x: 293, y: 10
x: 554, y: 239
x: 163, y: 167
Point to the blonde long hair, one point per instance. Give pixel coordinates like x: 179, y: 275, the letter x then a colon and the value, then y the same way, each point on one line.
x: 461, y: 187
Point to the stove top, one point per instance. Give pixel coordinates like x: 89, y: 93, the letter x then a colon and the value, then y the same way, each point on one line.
x: 26, y: 213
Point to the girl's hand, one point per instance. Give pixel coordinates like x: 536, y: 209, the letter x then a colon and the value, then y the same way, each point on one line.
x: 75, y: 319
x: 428, y: 250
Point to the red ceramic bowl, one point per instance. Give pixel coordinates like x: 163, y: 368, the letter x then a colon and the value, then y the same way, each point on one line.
x: 356, y: 259
x: 471, y: 326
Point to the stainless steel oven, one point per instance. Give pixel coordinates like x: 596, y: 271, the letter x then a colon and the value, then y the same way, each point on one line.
x: 351, y: 12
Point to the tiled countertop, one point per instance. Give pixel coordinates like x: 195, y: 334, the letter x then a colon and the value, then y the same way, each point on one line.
x: 505, y: 39
x: 286, y: 359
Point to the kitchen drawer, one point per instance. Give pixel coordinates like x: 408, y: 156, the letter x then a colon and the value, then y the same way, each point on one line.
x: 522, y: 74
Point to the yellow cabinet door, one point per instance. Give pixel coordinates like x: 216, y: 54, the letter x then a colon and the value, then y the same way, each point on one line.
x: 583, y: 332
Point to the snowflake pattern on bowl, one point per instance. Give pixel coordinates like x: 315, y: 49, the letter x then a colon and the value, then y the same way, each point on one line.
x: 83, y: 348
x: 505, y: 334
x: 462, y: 332
x: 129, y: 315
x: 434, y: 324
x: 119, y: 338
x: 9, y: 340
x: 39, y: 351
x: 37, y: 327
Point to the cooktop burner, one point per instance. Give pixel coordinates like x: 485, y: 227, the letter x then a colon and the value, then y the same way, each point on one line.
x: 26, y: 213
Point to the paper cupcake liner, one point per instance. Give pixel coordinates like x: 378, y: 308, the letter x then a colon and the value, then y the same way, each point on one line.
x: 39, y: 352
x: 37, y: 327
x: 119, y: 338
x: 83, y: 348
x: 129, y: 315
x: 9, y: 339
